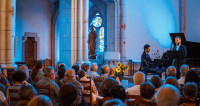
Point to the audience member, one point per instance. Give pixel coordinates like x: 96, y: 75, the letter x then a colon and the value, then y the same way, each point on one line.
x: 192, y: 76
x: 26, y: 93
x: 118, y: 92
x: 85, y: 67
x: 190, y: 90
x: 37, y: 72
x: 3, y: 99
x: 70, y: 78
x: 61, y: 73
x: 3, y: 77
x: 156, y: 81
x: 49, y: 77
x: 147, y: 91
x: 26, y: 70
x: 18, y: 77
x: 106, y: 85
x: 94, y: 70
x: 171, y: 71
x: 183, y: 70
x: 40, y: 100
x: 112, y: 74
x: 173, y: 81
x: 83, y: 77
x: 76, y: 68
x: 61, y: 65
x: 113, y: 102
x: 138, y: 79
x: 167, y: 95
x: 68, y: 94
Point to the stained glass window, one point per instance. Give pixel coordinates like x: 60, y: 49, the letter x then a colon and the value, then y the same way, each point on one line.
x: 101, y: 39
x: 97, y: 21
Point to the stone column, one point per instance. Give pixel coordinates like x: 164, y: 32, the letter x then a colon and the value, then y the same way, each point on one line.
x: 3, y: 31
x: 116, y: 26
x: 79, y: 29
x: 85, y: 30
x: 122, y: 23
x: 10, y: 15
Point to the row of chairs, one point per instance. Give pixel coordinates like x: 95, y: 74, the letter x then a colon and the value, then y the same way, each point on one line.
x: 46, y: 89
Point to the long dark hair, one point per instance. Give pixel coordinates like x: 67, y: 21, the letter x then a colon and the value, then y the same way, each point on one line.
x: 38, y: 65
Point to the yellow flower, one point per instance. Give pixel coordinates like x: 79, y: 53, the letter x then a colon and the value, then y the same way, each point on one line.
x: 124, y: 71
x: 118, y: 69
x: 119, y: 64
x: 123, y: 66
x: 127, y: 68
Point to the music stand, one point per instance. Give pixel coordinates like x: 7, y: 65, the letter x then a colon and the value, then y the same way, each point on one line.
x: 172, y: 54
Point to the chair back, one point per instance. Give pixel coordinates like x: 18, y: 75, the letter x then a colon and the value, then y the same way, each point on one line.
x: 98, y: 81
x: 44, y: 90
x: 87, y: 87
x: 137, y: 99
x: 13, y: 96
x: 190, y: 101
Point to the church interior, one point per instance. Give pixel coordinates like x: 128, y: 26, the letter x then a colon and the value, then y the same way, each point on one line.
x: 73, y: 38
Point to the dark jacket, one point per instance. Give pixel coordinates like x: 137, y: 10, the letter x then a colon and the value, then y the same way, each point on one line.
x: 182, y: 56
x: 146, y: 61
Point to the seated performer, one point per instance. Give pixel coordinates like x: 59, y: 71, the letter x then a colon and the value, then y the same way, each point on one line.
x: 146, y: 61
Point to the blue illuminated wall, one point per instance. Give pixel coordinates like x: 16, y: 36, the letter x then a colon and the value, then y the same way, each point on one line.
x: 150, y: 22
x: 193, y: 20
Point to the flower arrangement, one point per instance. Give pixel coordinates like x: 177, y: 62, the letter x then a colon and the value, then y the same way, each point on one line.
x: 120, y: 70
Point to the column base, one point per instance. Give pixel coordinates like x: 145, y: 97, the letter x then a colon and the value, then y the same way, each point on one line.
x: 79, y: 62
x: 87, y: 61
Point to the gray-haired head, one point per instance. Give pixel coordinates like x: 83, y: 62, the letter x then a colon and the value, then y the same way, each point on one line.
x: 184, y: 69
x: 167, y: 95
x: 171, y: 71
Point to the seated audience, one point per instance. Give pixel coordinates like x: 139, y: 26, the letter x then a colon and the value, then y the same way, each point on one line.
x: 173, y: 81
x: 183, y: 71
x: 26, y: 93
x: 61, y: 65
x: 40, y: 100
x: 156, y: 81
x: 3, y: 77
x: 61, y: 73
x: 83, y: 77
x: 138, y: 79
x: 118, y: 92
x: 85, y: 67
x: 26, y: 70
x: 70, y: 78
x: 76, y: 68
x: 104, y: 73
x: 167, y: 95
x: 192, y: 76
x: 3, y: 101
x: 68, y: 97
x: 37, y: 71
x: 113, y: 102
x: 18, y: 77
x: 190, y: 92
x: 147, y: 91
x: 49, y: 77
x: 171, y: 71
x: 112, y: 74
x: 93, y: 70
x: 3, y: 89
x: 106, y: 85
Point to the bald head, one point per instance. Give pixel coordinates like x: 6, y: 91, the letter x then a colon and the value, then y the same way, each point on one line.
x: 70, y: 73
x: 171, y: 71
x: 138, y: 78
x: 167, y: 95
